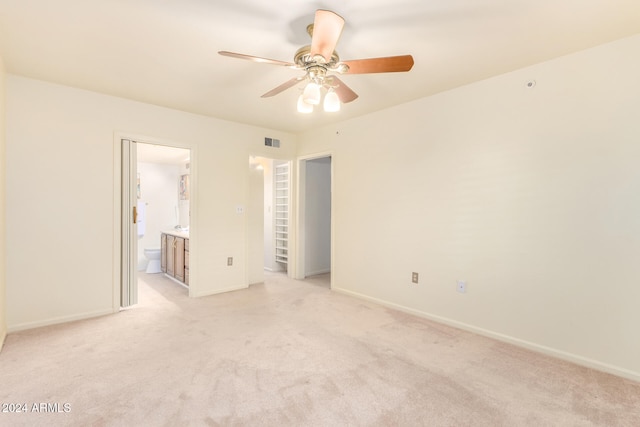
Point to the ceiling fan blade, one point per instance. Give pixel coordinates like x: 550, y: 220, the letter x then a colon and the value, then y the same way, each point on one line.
x: 388, y: 64
x: 257, y: 59
x: 343, y: 91
x: 327, y: 27
x: 284, y: 86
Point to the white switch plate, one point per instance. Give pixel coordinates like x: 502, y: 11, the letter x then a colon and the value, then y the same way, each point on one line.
x: 461, y: 286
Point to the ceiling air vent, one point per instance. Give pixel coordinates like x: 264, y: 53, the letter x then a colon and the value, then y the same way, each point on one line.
x: 272, y: 142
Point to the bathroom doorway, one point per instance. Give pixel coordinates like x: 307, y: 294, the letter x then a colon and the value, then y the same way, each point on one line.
x: 157, y: 200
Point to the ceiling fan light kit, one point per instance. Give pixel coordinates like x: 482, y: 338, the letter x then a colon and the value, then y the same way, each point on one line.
x: 319, y: 59
x: 311, y: 94
x: 331, y: 102
x: 303, y: 107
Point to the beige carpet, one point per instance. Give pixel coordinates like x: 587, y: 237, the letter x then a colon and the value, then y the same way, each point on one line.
x: 291, y: 353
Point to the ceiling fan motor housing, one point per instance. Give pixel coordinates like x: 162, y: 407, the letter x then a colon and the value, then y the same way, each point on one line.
x: 303, y: 59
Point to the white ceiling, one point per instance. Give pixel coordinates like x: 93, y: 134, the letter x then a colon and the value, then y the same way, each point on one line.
x: 165, y: 52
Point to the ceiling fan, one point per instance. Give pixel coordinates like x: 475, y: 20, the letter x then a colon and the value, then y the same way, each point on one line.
x: 320, y: 59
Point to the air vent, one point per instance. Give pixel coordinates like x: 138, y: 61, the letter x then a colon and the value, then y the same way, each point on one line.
x: 272, y: 142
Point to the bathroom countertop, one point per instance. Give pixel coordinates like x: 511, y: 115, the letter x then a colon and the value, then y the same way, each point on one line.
x: 178, y: 233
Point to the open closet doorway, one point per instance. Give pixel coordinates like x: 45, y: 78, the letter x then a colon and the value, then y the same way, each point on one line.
x: 314, y: 217
x: 269, y: 217
x: 156, y: 215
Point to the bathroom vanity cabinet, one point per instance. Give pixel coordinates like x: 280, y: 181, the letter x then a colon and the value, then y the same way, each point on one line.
x: 174, y: 256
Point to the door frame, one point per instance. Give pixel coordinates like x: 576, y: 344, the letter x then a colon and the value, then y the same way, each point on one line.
x: 129, y: 224
x: 300, y: 226
x: 119, y: 209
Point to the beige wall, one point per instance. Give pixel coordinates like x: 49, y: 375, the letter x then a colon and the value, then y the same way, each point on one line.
x: 3, y: 324
x: 255, y: 223
x: 530, y: 195
x: 62, y: 203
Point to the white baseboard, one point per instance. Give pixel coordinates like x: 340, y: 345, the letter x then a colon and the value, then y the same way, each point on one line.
x: 217, y: 291
x: 315, y: 273
x: 559, y: 354
x: 3, y: 336
x: 57, y: 320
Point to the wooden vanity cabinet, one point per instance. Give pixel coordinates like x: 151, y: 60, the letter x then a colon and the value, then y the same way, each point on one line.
x: 163, y: 253
x: 178, y: 264
x: 186, y: 262
x: 174, y: 258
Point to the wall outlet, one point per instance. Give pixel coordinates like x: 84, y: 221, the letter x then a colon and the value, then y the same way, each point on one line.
x: 461, y: 286
x: 414, y: 277
x: 230, y: 260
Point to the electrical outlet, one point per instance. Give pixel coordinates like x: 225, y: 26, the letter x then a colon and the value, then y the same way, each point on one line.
x: 230, y: 260
x: 414, y: 277
x: 461, y: 286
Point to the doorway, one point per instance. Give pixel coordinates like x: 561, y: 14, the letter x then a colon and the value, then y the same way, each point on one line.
x: 156, y: 199
x: 315, y: 216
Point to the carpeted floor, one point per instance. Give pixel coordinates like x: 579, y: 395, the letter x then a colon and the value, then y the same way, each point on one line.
x: 290, y: 353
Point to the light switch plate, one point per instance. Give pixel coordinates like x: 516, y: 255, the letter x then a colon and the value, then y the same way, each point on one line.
x: 461, y: 286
